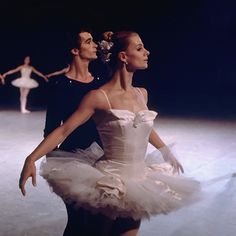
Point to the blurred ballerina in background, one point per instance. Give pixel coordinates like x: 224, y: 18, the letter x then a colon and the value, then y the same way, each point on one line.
x: 25, y: 82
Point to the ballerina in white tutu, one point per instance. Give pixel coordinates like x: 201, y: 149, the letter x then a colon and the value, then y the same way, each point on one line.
x: 25, y: 82
x: 122, y: 183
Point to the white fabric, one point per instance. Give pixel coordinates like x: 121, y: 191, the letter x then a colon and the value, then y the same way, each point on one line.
x: 122, y: 183
x: 25, y: 81
x: 89, y: 155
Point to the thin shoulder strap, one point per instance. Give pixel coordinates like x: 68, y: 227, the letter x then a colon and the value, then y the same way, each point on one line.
x: 141, y: 93
x: 109, y: 104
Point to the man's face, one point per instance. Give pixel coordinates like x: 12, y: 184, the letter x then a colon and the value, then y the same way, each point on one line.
x: 88, y: 48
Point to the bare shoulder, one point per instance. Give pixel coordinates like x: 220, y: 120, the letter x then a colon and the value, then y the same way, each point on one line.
x: 97, y: 98
x: 20, y: 67
x: 95, y: 94
x: 144, y: 92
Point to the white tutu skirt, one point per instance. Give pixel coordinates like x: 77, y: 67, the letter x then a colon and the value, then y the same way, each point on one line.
x: 131, y: 190
x: 25, y: 82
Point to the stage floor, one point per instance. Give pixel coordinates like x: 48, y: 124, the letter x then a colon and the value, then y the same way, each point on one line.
x: 205, y: 147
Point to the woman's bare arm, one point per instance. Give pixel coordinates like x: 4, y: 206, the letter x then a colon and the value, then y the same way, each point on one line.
x: 12, y: 71
x: 81, y: 115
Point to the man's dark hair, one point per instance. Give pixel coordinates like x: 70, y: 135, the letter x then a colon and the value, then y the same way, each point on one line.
x: 73, y: 38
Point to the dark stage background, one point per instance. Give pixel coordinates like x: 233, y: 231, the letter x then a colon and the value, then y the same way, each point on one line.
x: 192, y: 68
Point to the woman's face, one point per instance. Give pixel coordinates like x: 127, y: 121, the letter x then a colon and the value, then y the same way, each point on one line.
x: 136, y: 54
x: 27, y: 60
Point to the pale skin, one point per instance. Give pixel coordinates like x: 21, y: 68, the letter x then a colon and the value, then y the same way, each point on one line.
x: 59, y: 72
x: 2, y: 79
x: 121, y: 95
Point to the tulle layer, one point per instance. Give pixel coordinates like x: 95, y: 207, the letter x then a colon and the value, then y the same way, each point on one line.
x: 151, y: 189
x: 25, y: 82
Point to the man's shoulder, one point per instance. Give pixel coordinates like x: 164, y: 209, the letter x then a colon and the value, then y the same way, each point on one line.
x: 57, y: 79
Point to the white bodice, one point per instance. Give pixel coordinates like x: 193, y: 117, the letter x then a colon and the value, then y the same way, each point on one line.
x: 125, y: 134
x: 26, y: 72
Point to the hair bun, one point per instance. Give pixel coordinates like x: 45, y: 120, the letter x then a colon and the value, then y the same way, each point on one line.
x: 107, y: 36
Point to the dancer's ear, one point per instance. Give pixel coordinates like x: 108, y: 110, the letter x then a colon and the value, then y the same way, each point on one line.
x: 74, y: 51
x: 123, y: 58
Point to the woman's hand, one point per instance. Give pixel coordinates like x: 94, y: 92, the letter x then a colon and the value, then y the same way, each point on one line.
x: 45, y: 78
x: 169, y: 157
x: 29, y: 170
